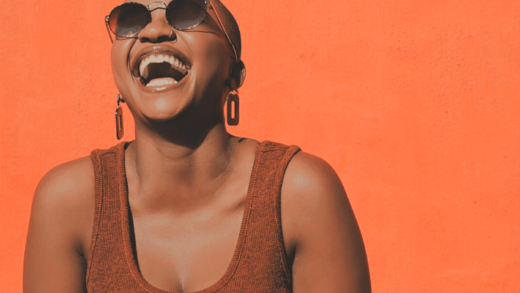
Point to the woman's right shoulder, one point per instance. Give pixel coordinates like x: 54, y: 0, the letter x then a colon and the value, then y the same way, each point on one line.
x: 65, y: 199
x: 70, y: 182
x: 60, y: 228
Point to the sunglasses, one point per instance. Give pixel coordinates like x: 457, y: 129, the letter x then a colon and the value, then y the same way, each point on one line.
x: 128, y: 19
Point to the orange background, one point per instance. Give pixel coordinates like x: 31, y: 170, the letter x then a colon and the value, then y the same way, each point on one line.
x: 414, y: 103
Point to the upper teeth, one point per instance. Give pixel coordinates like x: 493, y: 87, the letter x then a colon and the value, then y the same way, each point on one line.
x: 160, y: 58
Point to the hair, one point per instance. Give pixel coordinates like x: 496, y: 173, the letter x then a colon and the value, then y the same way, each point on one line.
x: 231, y: 26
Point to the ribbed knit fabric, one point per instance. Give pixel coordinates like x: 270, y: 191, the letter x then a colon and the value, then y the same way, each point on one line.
x: 259, y: 262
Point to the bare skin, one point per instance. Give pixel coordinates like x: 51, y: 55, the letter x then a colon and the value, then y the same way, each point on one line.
x: 186, y: 173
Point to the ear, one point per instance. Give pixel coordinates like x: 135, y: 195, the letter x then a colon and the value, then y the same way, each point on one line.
x: 237, y: 75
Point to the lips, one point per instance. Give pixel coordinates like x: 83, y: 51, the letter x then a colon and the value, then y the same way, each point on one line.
x: 160, y: 67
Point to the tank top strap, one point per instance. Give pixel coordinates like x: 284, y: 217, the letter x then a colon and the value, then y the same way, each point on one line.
x: 107, y: 228
x: 264, y: 255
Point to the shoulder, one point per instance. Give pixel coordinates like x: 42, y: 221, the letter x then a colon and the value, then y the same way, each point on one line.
x: 321, y: 235
x: 67, y: 183
x: 59, y: 229
x: 312, y: 197
x: 65, y: 196
x: 311, y: 180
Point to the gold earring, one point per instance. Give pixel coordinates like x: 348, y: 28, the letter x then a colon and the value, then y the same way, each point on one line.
x: 120, y: 131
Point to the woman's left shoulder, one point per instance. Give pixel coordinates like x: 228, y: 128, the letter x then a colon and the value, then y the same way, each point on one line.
x: 311, y: 178
x: 320, y: 231
x: 313, y: 197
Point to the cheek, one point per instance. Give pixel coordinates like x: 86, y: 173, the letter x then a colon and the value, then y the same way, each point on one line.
x: 210, y: 49
x: 119, y: 57
x: 217, y: 54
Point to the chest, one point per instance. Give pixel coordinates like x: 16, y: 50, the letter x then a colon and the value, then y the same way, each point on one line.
x: 186, y: 254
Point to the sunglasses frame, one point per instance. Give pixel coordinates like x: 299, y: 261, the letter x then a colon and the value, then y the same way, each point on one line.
x: 207, y: 4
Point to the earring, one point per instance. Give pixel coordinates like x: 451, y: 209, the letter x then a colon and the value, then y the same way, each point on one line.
x: 119, y: 118
x: 233, y: 116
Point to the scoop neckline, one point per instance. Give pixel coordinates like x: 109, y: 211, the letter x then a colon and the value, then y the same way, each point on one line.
x: 130, y: 256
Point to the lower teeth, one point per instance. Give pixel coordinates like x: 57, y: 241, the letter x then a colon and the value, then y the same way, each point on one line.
x: 161, y: 81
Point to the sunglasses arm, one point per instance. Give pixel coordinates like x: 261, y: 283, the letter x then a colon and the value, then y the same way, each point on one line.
x: 208, y: 2
x: 108, y: 29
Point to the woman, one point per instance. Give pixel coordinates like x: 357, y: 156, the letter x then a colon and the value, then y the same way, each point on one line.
x: 186, y: 206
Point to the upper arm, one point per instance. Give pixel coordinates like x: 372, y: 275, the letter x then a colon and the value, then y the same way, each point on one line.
x: 320, y: 230
x: 61, y: 217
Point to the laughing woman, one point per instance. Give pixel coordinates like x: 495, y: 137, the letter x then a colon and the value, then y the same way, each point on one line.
x: 187, y: 207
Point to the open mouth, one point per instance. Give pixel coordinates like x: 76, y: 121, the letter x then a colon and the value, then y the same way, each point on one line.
x: 160, y: 69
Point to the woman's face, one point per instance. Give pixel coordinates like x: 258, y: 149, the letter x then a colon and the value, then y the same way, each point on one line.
x: 164, y: 73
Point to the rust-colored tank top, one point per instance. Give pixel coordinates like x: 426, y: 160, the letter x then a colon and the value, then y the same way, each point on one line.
x: 259, y: 262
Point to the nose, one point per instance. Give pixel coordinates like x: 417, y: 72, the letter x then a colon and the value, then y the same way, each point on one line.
x: 158, y: 30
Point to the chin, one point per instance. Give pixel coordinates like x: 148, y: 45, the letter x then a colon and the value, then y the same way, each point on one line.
x: 164, y: 109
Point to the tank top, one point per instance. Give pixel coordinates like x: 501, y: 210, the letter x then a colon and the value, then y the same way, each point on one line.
x: 259, y: 262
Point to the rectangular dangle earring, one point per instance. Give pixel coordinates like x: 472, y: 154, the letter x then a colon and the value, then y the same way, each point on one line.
x: 119, y: 118
x: 233, y: 116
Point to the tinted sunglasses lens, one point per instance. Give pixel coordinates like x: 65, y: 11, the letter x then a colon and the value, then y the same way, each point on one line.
x: 128, y: 19
x: 185, y: 14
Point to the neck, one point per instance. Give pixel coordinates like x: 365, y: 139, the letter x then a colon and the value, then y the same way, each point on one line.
x: 183, y: 169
